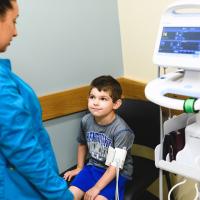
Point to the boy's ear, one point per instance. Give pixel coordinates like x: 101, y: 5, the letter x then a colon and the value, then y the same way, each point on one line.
x: 117, y: 104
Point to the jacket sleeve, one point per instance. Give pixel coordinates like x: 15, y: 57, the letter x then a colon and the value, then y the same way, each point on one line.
x: 21, y: 147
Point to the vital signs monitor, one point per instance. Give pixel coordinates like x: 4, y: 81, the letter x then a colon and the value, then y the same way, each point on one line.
x: 178, y: 40
x: 178, y: 46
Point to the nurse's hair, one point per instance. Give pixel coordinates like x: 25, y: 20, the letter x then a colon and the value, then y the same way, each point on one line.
x: 108, y: 84
x: 5, y: 5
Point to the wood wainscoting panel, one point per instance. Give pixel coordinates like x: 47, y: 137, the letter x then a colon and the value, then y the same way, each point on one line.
x: 132, y: 89
x: 64, y: 103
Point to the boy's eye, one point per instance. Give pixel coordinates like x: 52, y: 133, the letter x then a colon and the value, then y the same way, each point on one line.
x: 91, y: 97
x: 104, y: 99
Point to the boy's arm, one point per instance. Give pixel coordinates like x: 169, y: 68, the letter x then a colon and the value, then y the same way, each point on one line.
x: 107, y: 177
x: 82, y: 152
x: 81, y: 155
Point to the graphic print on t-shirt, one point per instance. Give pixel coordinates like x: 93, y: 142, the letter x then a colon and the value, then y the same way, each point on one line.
x: 98, y: 144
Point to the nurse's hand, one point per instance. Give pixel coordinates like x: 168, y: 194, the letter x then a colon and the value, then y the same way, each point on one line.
x: 70, y: 174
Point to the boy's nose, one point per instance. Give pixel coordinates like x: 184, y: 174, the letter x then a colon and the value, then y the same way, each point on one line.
x: 96, y: 101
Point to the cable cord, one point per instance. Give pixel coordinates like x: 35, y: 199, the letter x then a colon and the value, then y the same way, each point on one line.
x: 197, y: 192
x: 178, y: 184
x: 117, y: 188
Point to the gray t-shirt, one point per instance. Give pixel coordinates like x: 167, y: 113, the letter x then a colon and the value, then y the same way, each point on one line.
x: 99, y: 137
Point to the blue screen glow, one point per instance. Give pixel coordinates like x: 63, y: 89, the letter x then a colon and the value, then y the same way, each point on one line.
x: 180, y: 40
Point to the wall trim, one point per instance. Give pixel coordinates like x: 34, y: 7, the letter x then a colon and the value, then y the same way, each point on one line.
x: 75, y: 100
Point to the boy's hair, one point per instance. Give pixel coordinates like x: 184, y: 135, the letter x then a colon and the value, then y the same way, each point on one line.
x: 108, y: 84
x: 5, y: 5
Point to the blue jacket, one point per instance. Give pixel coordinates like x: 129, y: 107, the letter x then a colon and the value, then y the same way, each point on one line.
x: 28, y: 169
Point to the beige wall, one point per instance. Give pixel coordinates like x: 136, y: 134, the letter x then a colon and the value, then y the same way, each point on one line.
x: 139, y: 21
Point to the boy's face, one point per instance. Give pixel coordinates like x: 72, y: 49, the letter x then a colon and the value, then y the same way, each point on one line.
x: 101, y: 105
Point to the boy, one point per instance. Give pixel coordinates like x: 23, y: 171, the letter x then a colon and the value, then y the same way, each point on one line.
x: 101, y: 128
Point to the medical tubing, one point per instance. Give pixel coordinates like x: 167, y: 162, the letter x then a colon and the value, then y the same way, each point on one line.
x: 180, y: 183
x: 188, y: 105
x: 197, y: 192
x: 117, y: 179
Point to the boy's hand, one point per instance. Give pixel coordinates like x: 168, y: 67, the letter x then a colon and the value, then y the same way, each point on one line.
x: 91, y: 193
x: 68, y: 175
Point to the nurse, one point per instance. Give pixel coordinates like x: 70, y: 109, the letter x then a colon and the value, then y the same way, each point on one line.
x: 28, y: 169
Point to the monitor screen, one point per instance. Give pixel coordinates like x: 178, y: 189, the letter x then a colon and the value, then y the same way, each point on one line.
x: 180, y: 40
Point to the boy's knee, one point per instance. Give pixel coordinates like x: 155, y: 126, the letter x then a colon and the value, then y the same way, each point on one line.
x: 78, y: 194
x: 99, y: 197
